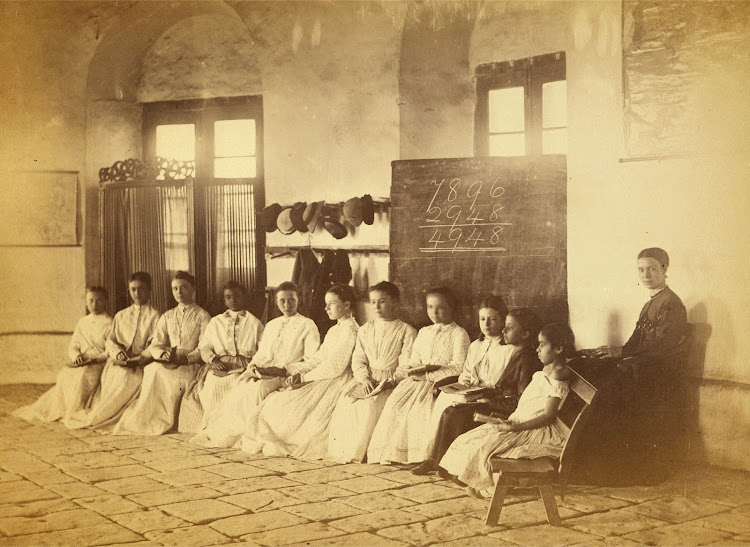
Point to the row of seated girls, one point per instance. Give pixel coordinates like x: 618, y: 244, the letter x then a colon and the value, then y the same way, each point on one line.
x: 366, y: 394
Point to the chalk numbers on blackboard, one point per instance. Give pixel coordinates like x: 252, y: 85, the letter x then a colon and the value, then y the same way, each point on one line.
x: 463, y: 217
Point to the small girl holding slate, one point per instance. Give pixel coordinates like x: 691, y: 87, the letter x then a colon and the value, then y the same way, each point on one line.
x: 529, y: 432
x: 402, y: 432
x: 382, y: 345
x: 78, y: 380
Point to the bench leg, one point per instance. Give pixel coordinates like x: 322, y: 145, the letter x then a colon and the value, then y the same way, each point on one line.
x: 550, y: 505
x: 496, y: 505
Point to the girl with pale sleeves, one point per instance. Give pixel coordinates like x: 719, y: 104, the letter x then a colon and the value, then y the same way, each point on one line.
x: 175, y: 344
x: 286, y: 339
x: 295, y: 420
x: 402, y: 434
x: 529, y: 432
x: 382, y: 345
x: 229, y: 343
x: 127, y: 347
x: 76, y: 382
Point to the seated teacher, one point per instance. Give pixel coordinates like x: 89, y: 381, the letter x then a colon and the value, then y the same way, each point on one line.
x: 662, y: 324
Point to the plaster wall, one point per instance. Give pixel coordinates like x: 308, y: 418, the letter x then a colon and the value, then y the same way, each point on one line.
x: 333, y: 76
x: 695, y: 206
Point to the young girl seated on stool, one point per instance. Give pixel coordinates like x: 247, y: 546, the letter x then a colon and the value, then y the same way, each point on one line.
x: 505, y: 370
x: 383, y: 344
x: 78, y: 380
x: 227, y: 346
x: 286, y: 339
x: 402, y: 432
x: 529, y: 432
x: 127, y: 346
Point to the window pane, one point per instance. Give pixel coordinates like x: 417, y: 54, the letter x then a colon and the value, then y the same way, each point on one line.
x: 176, y: 142
x: 555, y: 104
x: 508, y: 145
x: 234, y: 168
x: 555, y: 141
x: 506, y: 110
x: 234, y: 138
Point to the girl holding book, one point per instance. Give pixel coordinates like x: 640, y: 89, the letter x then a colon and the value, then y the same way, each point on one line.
x: 496, y: 372
x: 382, y: 345
x: 295, y: 420
x: 529, y: 432
x: 286, y: 339
x: 127, y: 346
x: 77, y: 381
x: 177, y: 361
x: 227, y: 346
x: 402, y: 432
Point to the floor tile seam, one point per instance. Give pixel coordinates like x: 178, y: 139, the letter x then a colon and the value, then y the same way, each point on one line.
x: 669, y: 522
x: 423, y: 529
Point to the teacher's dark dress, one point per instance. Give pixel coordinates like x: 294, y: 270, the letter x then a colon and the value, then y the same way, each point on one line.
x: 642, y: 399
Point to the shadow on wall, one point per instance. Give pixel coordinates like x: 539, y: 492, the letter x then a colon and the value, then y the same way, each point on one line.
x: 702, y: 331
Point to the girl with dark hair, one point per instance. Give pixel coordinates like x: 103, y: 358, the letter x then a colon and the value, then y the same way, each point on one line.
x: 295, y: 421
x: 77, y: 381
x: 662, y: 323
x: 402, y: 432
x: 175, y: 346
x: 529, y: 432
x: 127, y: 346
x: 504, y: 369
x: 286, y: 339
x: 383, y: 344
x: 229, y: 343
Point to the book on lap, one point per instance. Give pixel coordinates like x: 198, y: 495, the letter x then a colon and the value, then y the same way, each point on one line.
x: 358, y: 392
x: 130, y: 362
x: 83, y: 363
x: 491, y: 418
x: 424, y: 369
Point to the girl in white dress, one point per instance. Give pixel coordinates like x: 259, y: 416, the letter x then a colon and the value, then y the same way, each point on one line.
x: 175, y: 341
x: 382, y: 345
x: 286, y: 339
x: 76, y: 382
x: 529, y: 432
x: 127, y: 346
x: 402, y: 434
x: 295, y: 420
x: 229, y: 343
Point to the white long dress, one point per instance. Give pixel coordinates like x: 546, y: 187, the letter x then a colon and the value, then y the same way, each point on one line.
x: 232, y: 336
x: 468, y: 458
x: 295, y: 422
x: 381, y: 347
x: 119, y: 386
x: 285, y: 340
x: 484, y: 365
x: 402, y: 433
x: 75, y: 385
x: 157, y: 407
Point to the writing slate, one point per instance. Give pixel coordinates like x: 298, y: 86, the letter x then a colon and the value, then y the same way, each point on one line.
x: 480, y: 226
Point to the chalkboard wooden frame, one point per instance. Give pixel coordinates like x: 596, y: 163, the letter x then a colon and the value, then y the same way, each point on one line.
x: 481, y: 226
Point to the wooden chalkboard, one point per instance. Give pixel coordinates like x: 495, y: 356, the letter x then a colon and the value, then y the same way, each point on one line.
x: 480, y: 226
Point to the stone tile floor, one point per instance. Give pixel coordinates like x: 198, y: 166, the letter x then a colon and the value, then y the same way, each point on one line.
x: 61, y: 487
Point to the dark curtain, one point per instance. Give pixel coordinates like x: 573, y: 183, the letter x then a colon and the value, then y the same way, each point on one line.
x: 145, y: 227
x: 227, y: 221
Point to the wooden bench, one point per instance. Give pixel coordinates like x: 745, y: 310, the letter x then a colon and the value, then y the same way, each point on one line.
x: 546, y: 472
